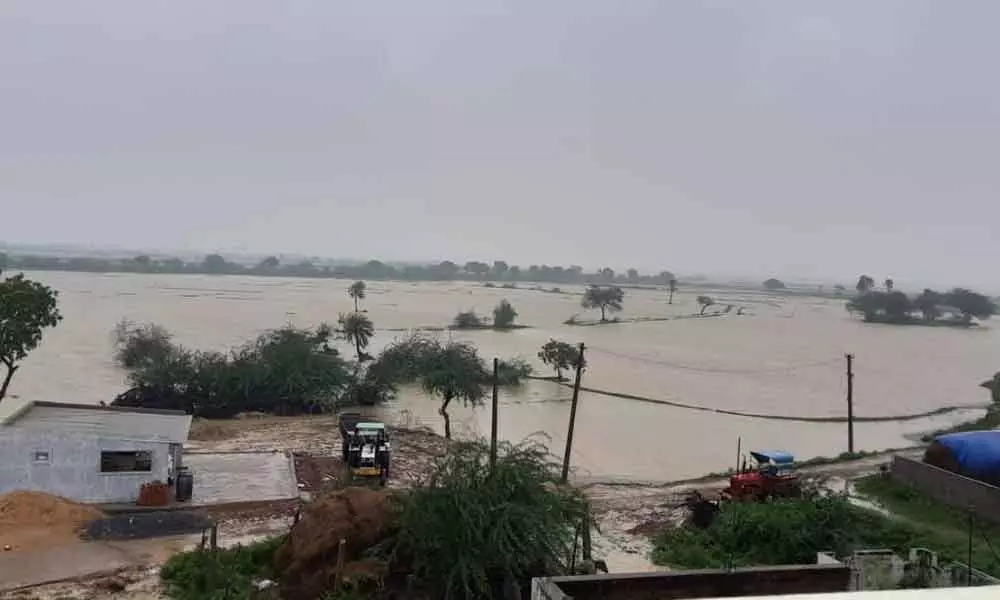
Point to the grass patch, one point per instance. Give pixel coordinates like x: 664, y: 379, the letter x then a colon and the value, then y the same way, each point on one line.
x: 935, y: 525
x: 227, y: 573
x: 991, y: 420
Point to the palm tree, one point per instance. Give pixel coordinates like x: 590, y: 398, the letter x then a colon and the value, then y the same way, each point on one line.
x: 455, y: 373
x: 357, y: 292
x: 357, y: 329
x: 889, y: 284
x: 673, y: 288
x: 605, y: 298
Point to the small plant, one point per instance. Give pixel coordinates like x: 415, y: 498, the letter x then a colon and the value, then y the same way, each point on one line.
x: 223, y: 574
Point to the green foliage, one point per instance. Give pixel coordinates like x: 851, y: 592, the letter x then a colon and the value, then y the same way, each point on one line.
x: 504, y: 315
x: 467, y: 320
x: 776, y: 533
x: 467, y: 530
x: 512, y: 372
x: 283, y: 371
x: 865, y: 284
x: 561, y: 356
x: 934, y: 525
x: 705, y: 302
x: 897, y: 307
x: 774, y: 284
x: 223, y: 574
x: 606, y: 298
x: 357, y: 329
x: 27, y: 309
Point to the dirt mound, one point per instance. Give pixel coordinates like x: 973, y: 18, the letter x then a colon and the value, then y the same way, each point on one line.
x: 30, y: 519
x: 35, y: 509
x: 307, y: 560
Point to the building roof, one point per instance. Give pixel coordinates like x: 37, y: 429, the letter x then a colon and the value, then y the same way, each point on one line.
x: 956, y: 593
x: 115, y: 422
x: 14, y: 413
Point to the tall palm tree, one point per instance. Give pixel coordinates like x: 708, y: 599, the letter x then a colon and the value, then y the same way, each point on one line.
x: 358, y: 329
x: 357, y: 292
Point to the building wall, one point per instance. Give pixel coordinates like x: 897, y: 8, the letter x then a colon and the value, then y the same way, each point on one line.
x: 948, y: 488
x: 715, y: 583
x: 73, y: 470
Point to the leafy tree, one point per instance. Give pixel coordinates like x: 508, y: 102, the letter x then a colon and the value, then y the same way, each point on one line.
x: 632, y: 275
x: 283, y: 371
x: 500, y: 268
x: 929, y: 304
x: 504, y: 315
x: 514, y: 272
x: 27, y: 309
x: 477, y: 269
x: 894, y: 307
x: 357, y: 292
x: 268, y: 264
x: 606, y: 274
x: 142, y: 262
x: 673, y: 288
x: 705, y: 302
x: 606, y: 298
x: 561, y: 356
x: 215, y: 263
x: 472, y: 529
x: 865, y: 284
x: 455, y: 373
x: 773, y: 284
x: 357, y: 329
x: 993, y: 385
x: 970, y: 304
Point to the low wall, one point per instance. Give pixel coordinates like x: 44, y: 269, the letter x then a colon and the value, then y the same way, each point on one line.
x: 948, y: 488
x: 714, y: 583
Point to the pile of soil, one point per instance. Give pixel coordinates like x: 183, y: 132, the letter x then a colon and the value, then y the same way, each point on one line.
x: 39, y: 519
x: 306, y: 561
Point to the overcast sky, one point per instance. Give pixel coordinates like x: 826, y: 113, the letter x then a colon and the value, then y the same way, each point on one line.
x: 743, y: 137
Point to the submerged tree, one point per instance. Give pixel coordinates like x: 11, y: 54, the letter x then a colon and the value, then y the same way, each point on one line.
x: 673, y: 288
x: 561, y: 356
x: 504, y: 315
x: 467, y: 319
x: 357, y: 292
x: 357, y: 329
x: 606, y: 298
x: 970, y: 304
x: 773, y: 284
x: 27, y: 309
x: 865, y: 284
x: 705, y: 302
x: 929, y: 304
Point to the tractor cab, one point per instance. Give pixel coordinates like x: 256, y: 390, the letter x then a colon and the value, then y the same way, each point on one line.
x: 772, y: 475
x: 366, y: 448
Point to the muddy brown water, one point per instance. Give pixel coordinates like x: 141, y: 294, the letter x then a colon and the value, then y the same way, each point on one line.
x: 785, y: 356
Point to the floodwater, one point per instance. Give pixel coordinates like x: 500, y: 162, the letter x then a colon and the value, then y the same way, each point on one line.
x: 784, y: 357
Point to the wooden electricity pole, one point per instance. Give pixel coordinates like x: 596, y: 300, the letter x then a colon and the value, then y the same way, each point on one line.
x: 493, y: 423
x: 572, y: 415
x: 850, y: 402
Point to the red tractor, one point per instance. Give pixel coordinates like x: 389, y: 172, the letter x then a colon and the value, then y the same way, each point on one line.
x: 772, y: 476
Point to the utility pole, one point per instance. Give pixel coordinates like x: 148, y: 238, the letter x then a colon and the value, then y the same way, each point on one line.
x: 493, y: 423
x: 850, y: 402
x: 572, y: 415
x: 972, y: 525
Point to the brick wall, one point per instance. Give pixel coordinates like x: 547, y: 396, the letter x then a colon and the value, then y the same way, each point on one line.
x: 947, y: 487
x: 676, y: 585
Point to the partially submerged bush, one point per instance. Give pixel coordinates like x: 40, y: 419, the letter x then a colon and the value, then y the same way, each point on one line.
x: 468, y: 319
x: 467, y: 531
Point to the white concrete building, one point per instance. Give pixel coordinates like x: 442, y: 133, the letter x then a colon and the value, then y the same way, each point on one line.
x: 89, y: 453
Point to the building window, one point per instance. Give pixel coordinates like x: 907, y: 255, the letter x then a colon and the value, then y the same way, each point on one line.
x: 40, y: 456
x: 139, y: 461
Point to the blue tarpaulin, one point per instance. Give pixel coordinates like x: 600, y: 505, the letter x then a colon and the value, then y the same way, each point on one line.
x: 976, y: 452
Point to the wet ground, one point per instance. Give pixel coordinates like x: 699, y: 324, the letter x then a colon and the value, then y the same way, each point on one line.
x: 221, y: 478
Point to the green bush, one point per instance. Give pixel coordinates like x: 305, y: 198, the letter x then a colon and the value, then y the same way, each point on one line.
x: 779, y: 532
x: 467, y: 531
x: 223, y: 574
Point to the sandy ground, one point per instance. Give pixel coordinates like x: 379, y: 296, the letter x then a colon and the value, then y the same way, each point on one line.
x: 626, y: 514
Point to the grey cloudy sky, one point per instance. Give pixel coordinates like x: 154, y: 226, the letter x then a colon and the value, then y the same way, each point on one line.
x: 786, y: 137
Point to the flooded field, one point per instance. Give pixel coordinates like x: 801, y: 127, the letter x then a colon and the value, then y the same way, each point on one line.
x: 784, y: 356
